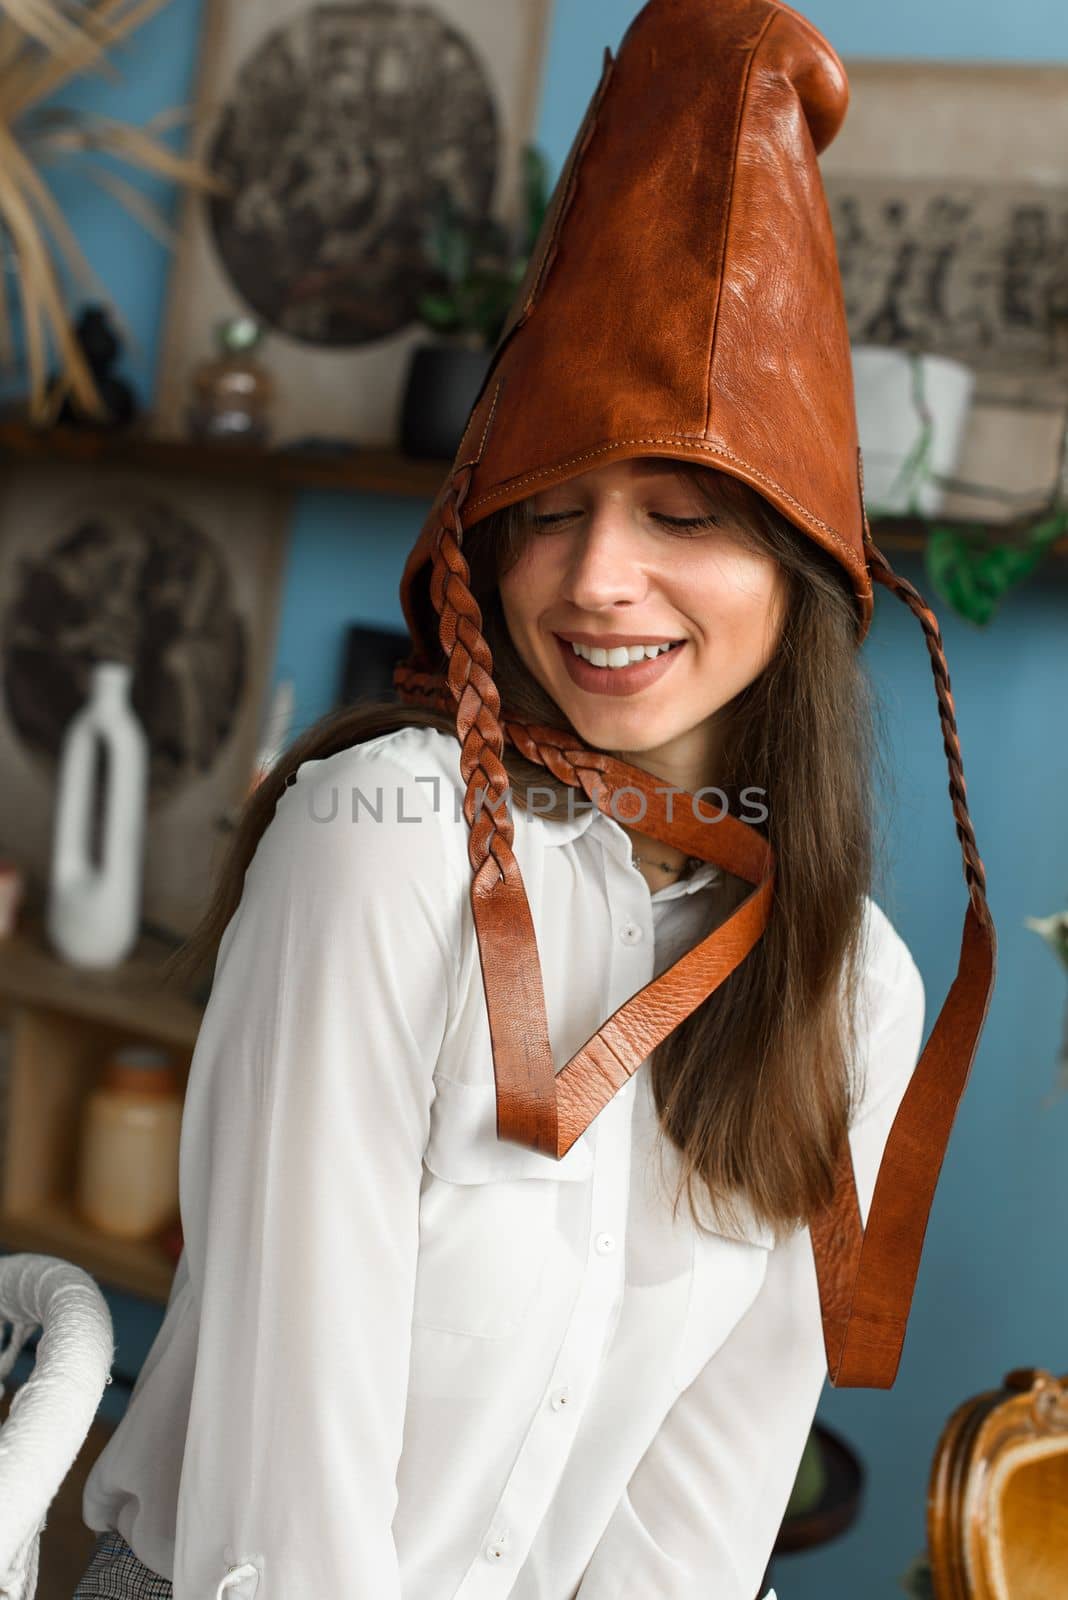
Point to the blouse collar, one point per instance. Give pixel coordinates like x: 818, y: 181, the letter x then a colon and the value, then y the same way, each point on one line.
x: 564, y: 830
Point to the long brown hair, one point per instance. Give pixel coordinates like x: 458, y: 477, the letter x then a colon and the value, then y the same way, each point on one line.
x: 755, y: 1088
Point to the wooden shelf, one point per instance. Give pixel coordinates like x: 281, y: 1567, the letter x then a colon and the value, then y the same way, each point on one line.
x: 353, y: 470
x: 910, y: 533
x: 63, y: 1023
x: 130, y: 998
x: 139, y: 1266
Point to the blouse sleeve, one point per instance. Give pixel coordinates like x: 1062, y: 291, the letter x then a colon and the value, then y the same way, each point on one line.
x: 307, y: 1114
x: 703, y: 1507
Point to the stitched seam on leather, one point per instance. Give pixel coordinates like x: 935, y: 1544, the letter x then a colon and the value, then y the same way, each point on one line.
x: 489, y: 419
x: 743, y: 102
x: 583, y: 140
x: 567, y: 182
x: 463, y: 460
x: 697, y: 444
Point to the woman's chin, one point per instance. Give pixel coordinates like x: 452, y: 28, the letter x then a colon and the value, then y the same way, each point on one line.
x: 612, y: 725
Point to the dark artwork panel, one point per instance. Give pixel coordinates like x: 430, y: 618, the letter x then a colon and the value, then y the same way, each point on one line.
x: 180, y: 578
x: 975, y: 272
x: 341, y: 128
x: 136, y: 580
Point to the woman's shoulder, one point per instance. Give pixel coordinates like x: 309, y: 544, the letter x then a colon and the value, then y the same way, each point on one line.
x: 382, y: 811
x: 398, y: 777
x: 422, y: 753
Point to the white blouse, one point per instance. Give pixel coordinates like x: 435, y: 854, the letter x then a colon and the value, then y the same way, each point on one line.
x: 403, y: 1360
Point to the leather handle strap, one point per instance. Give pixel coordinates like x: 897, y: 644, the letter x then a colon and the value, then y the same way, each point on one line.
x: 585, y: 1084
x: 867, y: 1276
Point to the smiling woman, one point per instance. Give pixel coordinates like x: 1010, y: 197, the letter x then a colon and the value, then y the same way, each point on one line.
x: 764, y: 697
x: 456, y: 1079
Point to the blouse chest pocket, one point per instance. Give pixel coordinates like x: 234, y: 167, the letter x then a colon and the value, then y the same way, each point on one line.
x: 487, y: 1216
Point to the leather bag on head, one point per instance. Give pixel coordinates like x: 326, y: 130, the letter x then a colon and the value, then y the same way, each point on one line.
x: 683, y: 299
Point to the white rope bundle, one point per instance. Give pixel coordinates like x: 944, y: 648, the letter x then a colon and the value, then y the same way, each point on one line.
x: 51, y: 1412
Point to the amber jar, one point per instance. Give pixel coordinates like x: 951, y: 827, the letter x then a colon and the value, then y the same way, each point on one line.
x: 128, y: 1161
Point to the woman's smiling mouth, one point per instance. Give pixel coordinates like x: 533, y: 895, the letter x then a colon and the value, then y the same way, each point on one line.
x: 611, y: 679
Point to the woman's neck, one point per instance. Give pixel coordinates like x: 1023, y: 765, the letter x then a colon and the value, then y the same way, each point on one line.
x: 685, y: 763
x: 659, y: 864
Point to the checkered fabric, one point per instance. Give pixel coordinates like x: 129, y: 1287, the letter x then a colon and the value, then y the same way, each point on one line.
x: 116, y: 1574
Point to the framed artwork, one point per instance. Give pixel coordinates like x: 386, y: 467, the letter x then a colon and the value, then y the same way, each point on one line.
x: 335, y: 126
x: 180, y: 576
x: 948, y: 190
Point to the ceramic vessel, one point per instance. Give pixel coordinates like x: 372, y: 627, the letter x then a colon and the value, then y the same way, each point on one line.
x: 94, y: 904
x: 893, y: 388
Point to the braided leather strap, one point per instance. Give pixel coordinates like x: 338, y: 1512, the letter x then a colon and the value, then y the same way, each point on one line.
x: 868, y: 1275
x: 536, y: 1105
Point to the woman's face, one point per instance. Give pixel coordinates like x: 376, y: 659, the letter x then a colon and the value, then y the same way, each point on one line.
x: 622, y: 556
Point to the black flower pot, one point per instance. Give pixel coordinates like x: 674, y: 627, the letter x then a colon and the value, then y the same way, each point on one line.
x: 443, y: 384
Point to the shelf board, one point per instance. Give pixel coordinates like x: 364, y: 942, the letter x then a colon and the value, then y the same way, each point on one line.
x: 351, y: 469
x: 141, y: 1267
x: 130, y: 997
x: 910, y: 533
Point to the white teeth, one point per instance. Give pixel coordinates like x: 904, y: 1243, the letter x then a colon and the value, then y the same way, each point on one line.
x: 620, y: 655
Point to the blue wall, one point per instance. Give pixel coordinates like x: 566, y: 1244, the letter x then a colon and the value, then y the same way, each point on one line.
x: 993, y: 1292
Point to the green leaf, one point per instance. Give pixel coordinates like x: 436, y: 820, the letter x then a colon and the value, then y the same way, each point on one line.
x: 973, y: 574
x: 447, y: 240
x: 535, y: 194
x: 439, y: 312
x: 475, y: 259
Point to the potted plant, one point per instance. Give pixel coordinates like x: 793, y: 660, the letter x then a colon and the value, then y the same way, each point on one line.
x: 912, y: 412
x: 477, y: 267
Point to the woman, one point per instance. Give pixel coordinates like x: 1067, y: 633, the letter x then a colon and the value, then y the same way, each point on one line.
x: 345, y: 1044
x: 442, y: 1326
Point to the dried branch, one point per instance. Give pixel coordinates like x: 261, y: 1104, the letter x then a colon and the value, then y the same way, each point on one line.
x: 44, y: 44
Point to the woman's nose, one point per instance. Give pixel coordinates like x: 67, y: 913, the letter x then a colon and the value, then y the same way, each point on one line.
x: 605, y: 566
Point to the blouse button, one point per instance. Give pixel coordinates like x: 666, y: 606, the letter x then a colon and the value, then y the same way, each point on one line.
x: 604, y: 1244
x: 630, y: 933
x: 494, y: 1552
x: 560, y: 1398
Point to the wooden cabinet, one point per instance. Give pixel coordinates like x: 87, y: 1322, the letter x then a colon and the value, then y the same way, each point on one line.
x: 59, y: 1024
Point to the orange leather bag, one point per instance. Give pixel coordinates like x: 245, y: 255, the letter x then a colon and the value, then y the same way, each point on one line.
x: 683, y: 300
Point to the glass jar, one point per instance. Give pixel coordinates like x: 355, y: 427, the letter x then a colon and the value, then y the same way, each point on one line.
x: 232, y: 392
x: 128, y: 1160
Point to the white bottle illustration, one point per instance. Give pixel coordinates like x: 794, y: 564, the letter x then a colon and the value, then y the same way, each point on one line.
x: 94, y: 908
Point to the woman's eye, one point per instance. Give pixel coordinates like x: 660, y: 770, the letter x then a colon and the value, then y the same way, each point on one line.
x: 688, y: 523
x: 684, y: 524
x: 549, y: 522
